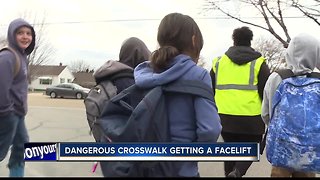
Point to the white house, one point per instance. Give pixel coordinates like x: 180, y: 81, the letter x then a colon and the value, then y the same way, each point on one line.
x: 43, y: 76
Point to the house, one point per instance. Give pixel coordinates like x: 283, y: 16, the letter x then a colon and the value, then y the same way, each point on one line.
x: 84, y: 79
x: 43, y: 76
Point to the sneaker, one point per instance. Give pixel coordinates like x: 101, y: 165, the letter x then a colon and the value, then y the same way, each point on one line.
x: 234, y: 174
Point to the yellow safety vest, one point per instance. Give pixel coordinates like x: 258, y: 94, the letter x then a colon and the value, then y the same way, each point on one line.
x: 236, y: 91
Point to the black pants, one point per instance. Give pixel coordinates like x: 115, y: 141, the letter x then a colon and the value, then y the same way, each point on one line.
x: 242, y: 166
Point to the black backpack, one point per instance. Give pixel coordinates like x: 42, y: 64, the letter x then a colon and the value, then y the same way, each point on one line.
x: 140, y: 115
x: 94, y: 103
x: 98, y: 97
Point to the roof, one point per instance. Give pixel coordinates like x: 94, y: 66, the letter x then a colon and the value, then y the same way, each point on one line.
x: 85, y: 79
x: 46, y: 70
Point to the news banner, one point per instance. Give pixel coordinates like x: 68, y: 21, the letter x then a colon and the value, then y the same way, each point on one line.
x: 76, y: 151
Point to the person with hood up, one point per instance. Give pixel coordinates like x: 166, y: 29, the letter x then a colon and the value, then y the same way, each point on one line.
x: 133, y: 52
x: 302, y: 56
x: 13, y: 95
x: 238, y: 79
x: 191, y: 119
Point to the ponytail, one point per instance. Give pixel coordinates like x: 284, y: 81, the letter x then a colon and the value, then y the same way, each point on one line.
x: 161, y: 58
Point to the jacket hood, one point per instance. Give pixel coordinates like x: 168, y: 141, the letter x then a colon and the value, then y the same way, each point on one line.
x: 145, y: 77
x: 303, y: 54
x: 242, y: 54
x: 133, y: 52
x: 111, y: 68
x: 13, y: 27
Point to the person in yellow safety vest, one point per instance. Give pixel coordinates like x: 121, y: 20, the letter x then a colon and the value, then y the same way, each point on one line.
x: 238, y: 80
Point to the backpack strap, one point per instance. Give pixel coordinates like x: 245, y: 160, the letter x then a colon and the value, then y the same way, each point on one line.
x: 263, y: 141
x: 17, y: 59
x: 193, y: 87
x: 122, y: 75
x: 314, y: 75
x: 285, y: 73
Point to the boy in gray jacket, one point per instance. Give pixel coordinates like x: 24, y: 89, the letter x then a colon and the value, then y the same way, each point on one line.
x: 13, y: 95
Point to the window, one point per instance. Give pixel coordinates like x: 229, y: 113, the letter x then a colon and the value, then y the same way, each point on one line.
x: 68, y: 86
x: 46, y: 81
x: 69, y: 80
x: 61, y: 86
x: 62, y: 80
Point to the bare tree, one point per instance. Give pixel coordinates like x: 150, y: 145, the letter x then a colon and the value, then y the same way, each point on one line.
x: 272, y: 50
x: 79, y: 66
x: 309, y: 8
x: 270, y: 11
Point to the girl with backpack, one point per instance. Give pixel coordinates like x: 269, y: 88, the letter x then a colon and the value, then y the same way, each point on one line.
x: 191, y: 119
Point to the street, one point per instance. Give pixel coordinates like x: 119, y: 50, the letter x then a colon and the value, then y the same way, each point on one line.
x: 64, y: 120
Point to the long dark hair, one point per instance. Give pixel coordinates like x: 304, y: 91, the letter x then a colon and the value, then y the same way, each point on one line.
x: 175, y: 34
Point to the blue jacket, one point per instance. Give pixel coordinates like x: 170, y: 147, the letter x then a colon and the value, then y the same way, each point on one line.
x: 14, y: 91
x: 191, y: 119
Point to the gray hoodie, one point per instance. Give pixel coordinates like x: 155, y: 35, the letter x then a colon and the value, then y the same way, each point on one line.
x: 302, y: 56
x: 14, y: 90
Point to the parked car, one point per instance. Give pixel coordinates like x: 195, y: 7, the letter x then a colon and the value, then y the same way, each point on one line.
x: 67, y: 90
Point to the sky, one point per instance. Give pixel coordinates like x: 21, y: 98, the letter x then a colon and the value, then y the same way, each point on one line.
x: 94, y: 30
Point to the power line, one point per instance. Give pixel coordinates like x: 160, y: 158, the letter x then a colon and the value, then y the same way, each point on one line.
x: 156, y: 19
x: 152, y: 19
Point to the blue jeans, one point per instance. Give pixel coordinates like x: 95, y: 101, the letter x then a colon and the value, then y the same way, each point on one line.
x: 13, y: 132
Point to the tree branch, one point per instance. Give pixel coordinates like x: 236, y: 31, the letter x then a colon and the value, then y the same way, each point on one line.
x: 266, y: 18
x: 306, y: 13
x: 260, y: 5
x: 236, y: 18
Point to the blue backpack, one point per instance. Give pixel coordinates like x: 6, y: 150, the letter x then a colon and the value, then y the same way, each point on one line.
x: 293, y: 139
x: 140, y: 115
